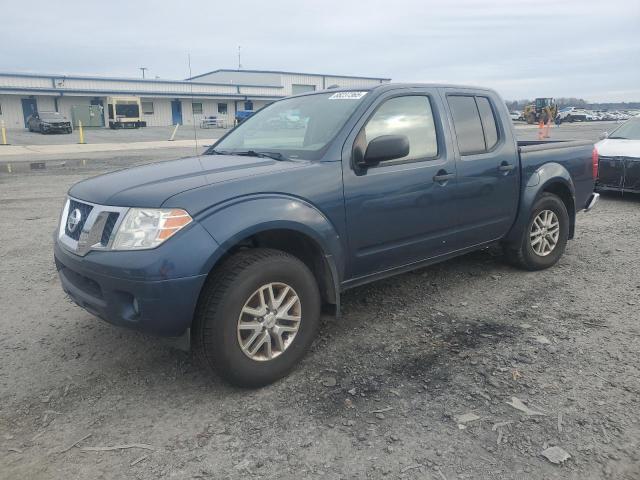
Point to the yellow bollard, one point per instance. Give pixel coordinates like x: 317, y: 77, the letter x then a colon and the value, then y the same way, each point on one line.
x: 4, y: 134
x: 81, y: 132
x: 173, y: 135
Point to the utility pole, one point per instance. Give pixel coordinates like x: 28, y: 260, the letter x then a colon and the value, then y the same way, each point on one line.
x: 144, y: 69
x: 239, y: 62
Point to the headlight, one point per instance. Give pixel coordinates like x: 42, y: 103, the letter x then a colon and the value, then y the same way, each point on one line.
x: 144, y: 228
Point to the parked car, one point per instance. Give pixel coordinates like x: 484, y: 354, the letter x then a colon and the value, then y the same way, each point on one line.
x: 571, y: 114
x: 619, y: 158
x: 49, y: 122
x: 240, y: 247
x: 590, y: 116
x: 516, y: 115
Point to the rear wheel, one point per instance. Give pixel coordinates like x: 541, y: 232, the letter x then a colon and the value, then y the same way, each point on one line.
x: 257, y: 317
x: 545, y: 238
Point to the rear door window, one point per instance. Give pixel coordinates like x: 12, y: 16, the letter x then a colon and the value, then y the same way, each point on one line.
x: 466, y: 120
x: 488, y: 122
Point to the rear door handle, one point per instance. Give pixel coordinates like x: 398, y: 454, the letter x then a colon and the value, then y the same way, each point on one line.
x: 443, y: 176
x: 505, y: 167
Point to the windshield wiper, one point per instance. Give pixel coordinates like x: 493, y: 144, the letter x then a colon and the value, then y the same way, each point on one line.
x: 253, y: 153
x: 249, y: 153
x: 618, y: 138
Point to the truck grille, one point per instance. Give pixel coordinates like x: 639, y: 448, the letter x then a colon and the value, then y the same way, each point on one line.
x: 92, y: 226
x: 84, y: 210
x: 108, y: 228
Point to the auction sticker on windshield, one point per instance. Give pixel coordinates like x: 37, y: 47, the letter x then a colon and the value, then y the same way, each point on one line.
x: 347, y: 95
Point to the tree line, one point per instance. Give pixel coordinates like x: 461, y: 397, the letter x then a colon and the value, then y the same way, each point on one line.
x: 578, y: 103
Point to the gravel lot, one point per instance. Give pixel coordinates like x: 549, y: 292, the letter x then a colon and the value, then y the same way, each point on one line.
x: 384, y: 392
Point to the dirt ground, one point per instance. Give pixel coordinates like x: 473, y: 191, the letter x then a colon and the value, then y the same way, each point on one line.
x: 384, y: 392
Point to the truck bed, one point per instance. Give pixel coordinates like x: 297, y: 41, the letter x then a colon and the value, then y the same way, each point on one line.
x: 573, y: 155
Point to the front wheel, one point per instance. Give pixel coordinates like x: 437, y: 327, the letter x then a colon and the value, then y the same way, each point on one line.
x: 545, y: 238
x: 257, y: 316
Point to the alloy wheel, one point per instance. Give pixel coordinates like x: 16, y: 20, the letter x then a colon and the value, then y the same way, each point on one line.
x: 544, y: 233
x: 269, y: 321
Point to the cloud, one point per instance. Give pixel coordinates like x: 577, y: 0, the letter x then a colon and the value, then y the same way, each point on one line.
x: 523, y: 48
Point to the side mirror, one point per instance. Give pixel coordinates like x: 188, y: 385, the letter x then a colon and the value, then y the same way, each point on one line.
x: 604, y: 135
x: 385, y: 147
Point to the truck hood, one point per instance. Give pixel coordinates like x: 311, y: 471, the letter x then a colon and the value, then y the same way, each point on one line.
x: 612, y: 147
x: 151, y: 185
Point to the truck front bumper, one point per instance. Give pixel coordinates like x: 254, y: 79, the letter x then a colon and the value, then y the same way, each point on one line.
x: 162, y: 307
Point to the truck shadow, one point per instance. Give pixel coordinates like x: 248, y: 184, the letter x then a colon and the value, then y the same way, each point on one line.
x: 372, y: 344
x: 621, y: 196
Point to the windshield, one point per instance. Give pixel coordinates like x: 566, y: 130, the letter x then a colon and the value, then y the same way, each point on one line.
x: 51, y: 116
x: 297, y: 127
x: 628, y: 131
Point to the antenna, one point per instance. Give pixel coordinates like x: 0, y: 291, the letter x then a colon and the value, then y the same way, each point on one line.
x: 144, y: 69
x: 193, y: 115
x: 239, y: 57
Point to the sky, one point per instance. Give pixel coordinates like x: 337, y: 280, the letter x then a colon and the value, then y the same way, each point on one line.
x: 524, y: 49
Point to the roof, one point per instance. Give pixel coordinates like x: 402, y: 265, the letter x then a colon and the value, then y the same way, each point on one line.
x: 61, y: 76
x: 231, y: 70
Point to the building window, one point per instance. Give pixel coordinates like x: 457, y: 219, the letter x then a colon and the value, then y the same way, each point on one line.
x: 248, y: 105
x: 197, y: 108
x: 297, y: 88
x: 222, y: 108
x: 147, y: 108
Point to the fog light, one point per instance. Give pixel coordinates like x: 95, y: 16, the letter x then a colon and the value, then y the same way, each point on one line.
x: 136, y: 307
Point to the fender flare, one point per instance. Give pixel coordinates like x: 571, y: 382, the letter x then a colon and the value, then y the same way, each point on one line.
x: 543, y: 179
x: 233, y: 221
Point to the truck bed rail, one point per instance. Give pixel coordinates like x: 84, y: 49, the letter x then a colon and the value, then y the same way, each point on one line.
x: 527, y: 146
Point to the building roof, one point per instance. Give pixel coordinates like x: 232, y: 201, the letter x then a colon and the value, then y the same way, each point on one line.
x: 281, y: 72
x: 124, y: 79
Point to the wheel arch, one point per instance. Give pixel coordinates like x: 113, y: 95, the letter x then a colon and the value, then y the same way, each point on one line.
x: 561, y: 189
x: 549, y: 178
x: 282, y: 223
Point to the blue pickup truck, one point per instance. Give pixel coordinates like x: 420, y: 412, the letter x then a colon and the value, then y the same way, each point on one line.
x: 241, y: 247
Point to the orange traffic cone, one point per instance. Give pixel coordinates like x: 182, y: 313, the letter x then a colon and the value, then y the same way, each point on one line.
x: 540, y: 130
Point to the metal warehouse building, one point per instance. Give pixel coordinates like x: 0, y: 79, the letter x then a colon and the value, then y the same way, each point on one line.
x: 220, y: 94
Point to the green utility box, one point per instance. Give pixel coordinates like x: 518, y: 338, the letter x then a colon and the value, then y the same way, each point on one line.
x: 89, y: 115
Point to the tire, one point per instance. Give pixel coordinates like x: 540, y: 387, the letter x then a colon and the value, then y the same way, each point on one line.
x: 216, y: 334
x: 524, y: 255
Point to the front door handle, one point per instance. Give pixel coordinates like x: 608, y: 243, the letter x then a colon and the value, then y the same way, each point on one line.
x: 442, y: 176
x: 505, y: 167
